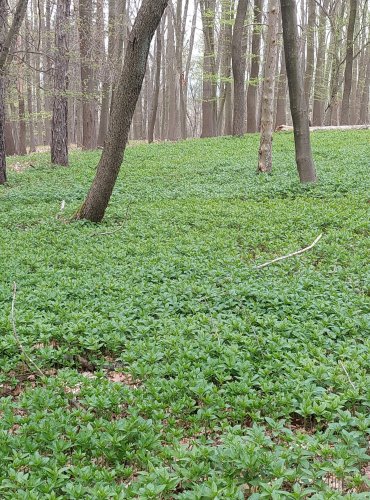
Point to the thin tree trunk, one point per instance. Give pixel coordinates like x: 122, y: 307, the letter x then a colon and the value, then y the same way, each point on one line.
x: 298, y: 106
x: 253, y: 77
x: 310, y: 59
x: 238, y: 65
x: 344, y: 119
x: 87, y: 78
x: 267, y: 112
x: 364, y: 109
x: 59, y: 128
x: 127, y: 94
x: 282, y: 94
x: 319, y: 90
x: 157, y: 84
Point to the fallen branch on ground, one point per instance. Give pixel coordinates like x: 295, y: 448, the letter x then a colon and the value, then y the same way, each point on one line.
x: 28, y: 360
x: 349, y: 378
x: 291, y: 254
x: 288, y: 128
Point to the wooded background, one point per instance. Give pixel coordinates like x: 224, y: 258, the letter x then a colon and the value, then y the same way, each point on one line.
x: 211, y: 66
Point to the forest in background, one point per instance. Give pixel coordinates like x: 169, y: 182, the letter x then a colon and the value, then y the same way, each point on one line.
x: 209, y: 69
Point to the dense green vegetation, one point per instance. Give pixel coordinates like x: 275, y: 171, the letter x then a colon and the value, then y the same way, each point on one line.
x: 174, y: 368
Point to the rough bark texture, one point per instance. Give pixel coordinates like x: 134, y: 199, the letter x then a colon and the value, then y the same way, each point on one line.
x: 87, y: 78
x: 298, y: 106
x: 319, y: 90
x: 344, y: 120
x: 106, y: 86
x: 281, y: 104
x: 238, y: 64
x: 126, y: 96
x: 6, y: 40
x: 209, y: 101
x: 2, y: 132
x: 252, y: 87
x: 310, y: 44
x: 59, y: 126
x: 157, y: 84
x: 267, y: 112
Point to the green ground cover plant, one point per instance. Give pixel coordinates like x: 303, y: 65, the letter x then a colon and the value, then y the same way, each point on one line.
x: 174, y: 369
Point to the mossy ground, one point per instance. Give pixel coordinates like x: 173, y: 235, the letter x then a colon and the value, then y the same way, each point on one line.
x: 175, y: 368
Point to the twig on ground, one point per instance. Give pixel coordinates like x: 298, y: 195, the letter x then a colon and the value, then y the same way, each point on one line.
x: 345, y: 371
x: 119, y: 228
x: 291, y: 254
x: 29, y: 361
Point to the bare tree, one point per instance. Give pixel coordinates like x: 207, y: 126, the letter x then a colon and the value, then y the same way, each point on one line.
x: 157, y: 84
x: 126, y: 96
x: 298, y: 106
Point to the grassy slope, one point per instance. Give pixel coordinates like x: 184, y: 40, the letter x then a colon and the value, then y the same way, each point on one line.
x: 240, y: 374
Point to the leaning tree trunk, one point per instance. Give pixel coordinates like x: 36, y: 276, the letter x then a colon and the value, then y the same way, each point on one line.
x: 59, y: 124
x: 126, y: 96
x: 298, y: 106
x: 267, y: 112
x: 253, y: 77
x: 344, y: 119
x: 238, y: 64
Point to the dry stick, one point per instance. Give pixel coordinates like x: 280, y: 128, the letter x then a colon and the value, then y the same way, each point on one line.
x: 16, y: 336
x: 345, y: 371
x: 291, y: 254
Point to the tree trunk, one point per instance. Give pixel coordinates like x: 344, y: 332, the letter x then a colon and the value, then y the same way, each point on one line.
x: 6, y: 40
x: 157, y: 84
x: 2, y: 130
x: 364, y: 109
x: 267, y: 112
x: 126, y: 96
x: 106, y: 77
x: 87, y: 77
x: 282, y: 91
x: 209, y: 100
x: 59, y: 127
x: 238, y: 64
x: 319, y: 90
x: 22, y: 119
x: 298, y: 106
x: 344, y: 119
x: 310, y: 59
x: 254, y: 73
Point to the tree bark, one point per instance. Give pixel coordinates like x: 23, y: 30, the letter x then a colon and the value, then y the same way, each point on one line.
x: 281, y: 104
x: 238, y: 65
x: 319, y: 90
x: 6, y: 40
x: 126, y: 96
x: 310, y: 44
x: 267, y: 112
x: 298, y: 106
x: 157, y: 84
x: 59, y: 127
x: 87, y: 77
x: 344, y: 119
x: 254, y: 73
x: 209, y: 100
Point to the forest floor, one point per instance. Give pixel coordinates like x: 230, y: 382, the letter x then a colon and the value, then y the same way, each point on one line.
x: 172, y: 367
